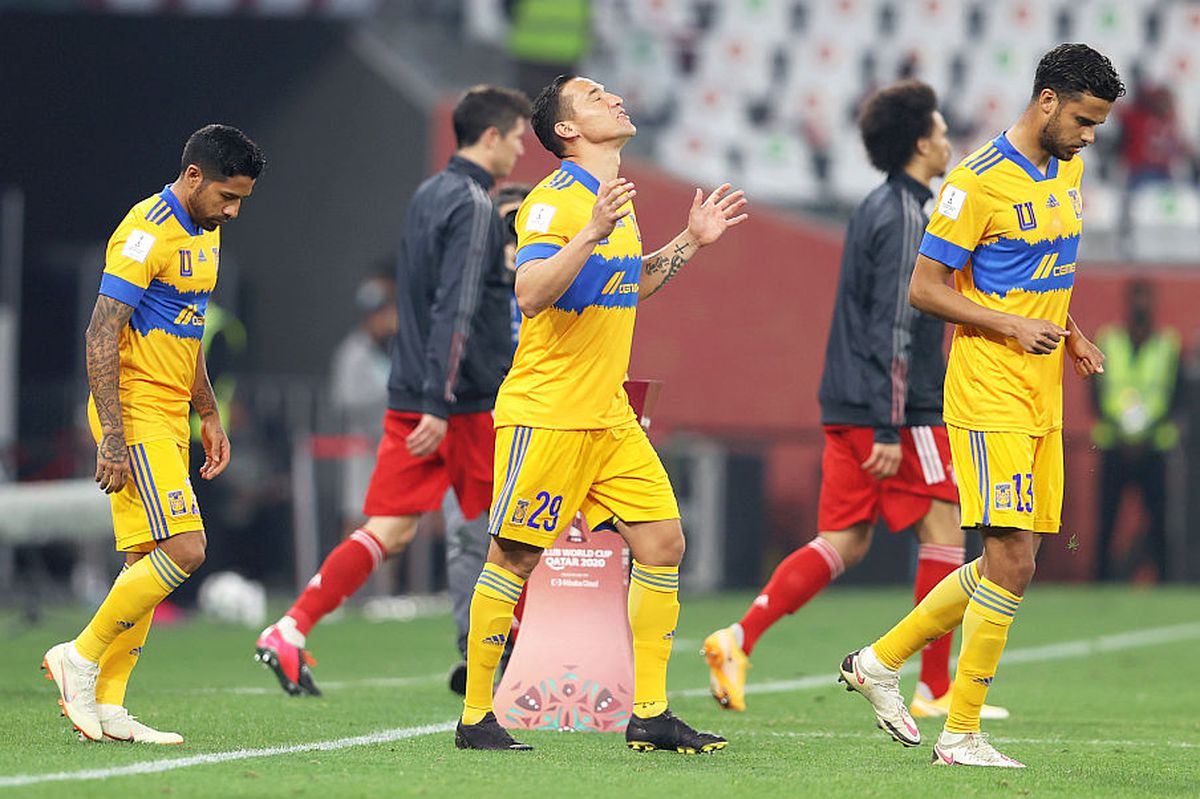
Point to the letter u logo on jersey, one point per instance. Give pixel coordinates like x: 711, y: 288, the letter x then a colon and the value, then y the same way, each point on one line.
x: 1025, y: 217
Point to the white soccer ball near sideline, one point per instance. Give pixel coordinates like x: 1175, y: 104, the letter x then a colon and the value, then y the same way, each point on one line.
x: 230, y: 597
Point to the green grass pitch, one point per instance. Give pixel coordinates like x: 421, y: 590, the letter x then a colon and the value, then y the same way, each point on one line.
x: 1102, y: 685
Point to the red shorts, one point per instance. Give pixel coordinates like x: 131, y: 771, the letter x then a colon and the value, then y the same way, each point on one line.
x: 850, y: 495
x: 404, y: 485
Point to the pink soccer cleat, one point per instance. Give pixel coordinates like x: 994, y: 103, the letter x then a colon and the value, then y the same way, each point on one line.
x: 289, y: 662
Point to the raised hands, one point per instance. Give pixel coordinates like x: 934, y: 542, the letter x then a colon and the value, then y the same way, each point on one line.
x: 710, y: 218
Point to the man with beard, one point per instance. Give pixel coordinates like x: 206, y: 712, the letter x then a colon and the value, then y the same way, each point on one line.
x: 1006, y: 227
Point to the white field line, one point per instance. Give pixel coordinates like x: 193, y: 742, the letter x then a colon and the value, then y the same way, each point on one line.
x: 336, y: 685
x: 1040, y: 654
x: 156, y: 766
x: 1035, y: 654
x: 997, y: 738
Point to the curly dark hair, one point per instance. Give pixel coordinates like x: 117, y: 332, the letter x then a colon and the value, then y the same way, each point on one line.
x: 222, y: 152
x: 482, y: 107
x: 1070, y: 70
x: 548, y: 109
x: 893, y: 119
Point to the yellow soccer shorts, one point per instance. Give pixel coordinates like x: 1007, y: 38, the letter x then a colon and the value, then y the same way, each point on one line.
x: 1008, y: 479
x: 542, y: 477
x: 158, y: 501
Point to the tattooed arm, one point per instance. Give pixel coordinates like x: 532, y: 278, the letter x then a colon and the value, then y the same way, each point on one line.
x: 109, y: 317
x: 212, y: 433
x: 661, y: 266
x: 707, y: 222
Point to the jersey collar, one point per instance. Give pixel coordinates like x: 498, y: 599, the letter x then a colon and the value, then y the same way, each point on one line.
x: 1005, y: 146
x: 589, y: 181
x: 185, y: 221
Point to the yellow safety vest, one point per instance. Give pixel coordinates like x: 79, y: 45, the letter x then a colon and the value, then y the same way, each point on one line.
x: 218, y: 321
x: 550, y: 31
x: 1136, y: 389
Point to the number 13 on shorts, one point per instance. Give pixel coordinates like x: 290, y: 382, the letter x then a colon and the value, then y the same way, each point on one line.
x: 1008, y: 479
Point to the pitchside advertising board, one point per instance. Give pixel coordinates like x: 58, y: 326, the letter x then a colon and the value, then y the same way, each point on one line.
x: 572, y: 667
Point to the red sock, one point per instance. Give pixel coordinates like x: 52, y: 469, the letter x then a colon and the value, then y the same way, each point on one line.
x: 798, y: 579
x: 935, y: 562
x: 344, y: 571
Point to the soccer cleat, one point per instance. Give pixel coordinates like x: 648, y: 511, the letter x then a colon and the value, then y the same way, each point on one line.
x: 667, y: 731
x: 924, y: 706
x: 290, y: 663
x: 969, y: 749
x: 486, y: 734
x: 458, y: 678
x: 881, y: 687
x: 727, y: 665
x: 76, y: 688
x: 118, y: 725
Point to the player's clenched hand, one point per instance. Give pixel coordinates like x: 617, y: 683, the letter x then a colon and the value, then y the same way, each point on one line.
x: 112, y: 463
x: 427, y: 436
x: 709, y: 219
x: 1088, y: 358
x: 1038, y: 336
x: 884, y: 460
x: 216, y: 446
x: 608, y: 210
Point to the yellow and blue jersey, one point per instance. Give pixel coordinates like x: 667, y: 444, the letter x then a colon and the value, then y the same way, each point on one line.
x: 165, y: 266
x: 1012, y: 233
x: 572, y: 358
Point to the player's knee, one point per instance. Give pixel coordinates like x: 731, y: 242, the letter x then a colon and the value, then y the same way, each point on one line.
x: 186, y: 551
x: 853, y: 553
x: 665, y: 550
x: 393, y: 532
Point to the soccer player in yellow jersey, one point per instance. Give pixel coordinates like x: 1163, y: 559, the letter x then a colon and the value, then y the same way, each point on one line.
x: 1006, y: 227
x: 566, y: 438
x: 145, y: 367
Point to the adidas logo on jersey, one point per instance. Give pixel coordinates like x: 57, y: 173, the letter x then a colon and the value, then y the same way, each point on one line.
x: 495, y: 640
x: 1052, y: 202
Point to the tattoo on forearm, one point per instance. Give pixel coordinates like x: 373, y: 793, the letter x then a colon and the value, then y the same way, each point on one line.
x: 204, y: 400
x: 104, y: 372
x: 672, y: 264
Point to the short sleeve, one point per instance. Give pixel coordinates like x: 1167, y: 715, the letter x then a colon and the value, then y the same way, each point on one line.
x: 544, y: 225
x: 958, y: 222
x: 128, y: 263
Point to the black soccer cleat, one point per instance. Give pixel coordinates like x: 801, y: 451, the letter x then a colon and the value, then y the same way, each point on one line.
x: 667, y: 731
x: 486, y: 734
x: 458, y: 678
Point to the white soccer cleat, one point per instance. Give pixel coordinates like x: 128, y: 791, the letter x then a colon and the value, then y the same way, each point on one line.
x: 118, y: 725
x: 969, y: 749
x: 75, y: 677
x: 861, y: 671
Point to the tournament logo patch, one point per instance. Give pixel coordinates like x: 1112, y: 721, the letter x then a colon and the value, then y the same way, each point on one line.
x: 176, y: 503
x: 138, y: 245
x: 952, y: 201
x: 519, y: 514
x: 1003, y: 492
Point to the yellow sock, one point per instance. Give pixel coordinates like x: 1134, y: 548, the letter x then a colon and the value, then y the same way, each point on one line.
x: 135, y: 593
x: 653, y: 614
x: 937, y: 614
x: 496, y: 594
x: 985, y: 630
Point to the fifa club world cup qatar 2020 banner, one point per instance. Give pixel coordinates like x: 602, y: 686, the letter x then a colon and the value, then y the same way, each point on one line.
x: 572, y: 666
